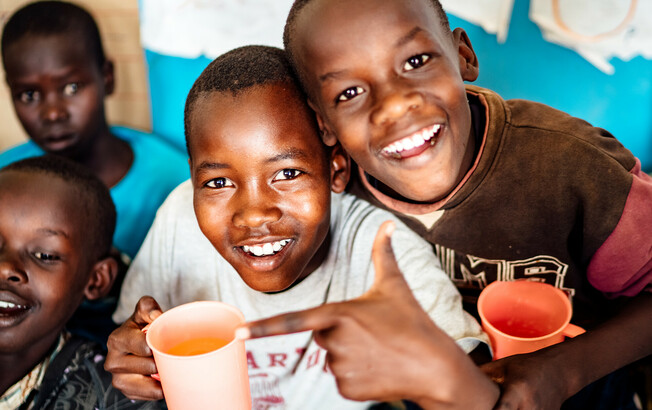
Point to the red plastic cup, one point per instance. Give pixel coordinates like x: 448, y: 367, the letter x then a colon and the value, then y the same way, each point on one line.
x: 524, y: 316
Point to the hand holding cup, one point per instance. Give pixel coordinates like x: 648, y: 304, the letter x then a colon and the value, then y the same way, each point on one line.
x: 129, y: 359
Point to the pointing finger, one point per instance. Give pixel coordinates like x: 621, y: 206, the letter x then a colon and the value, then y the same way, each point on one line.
x: 318, y: 318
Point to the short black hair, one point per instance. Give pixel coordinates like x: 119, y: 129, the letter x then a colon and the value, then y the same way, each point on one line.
x: 238, y: 70
x: 298, y: 5
x: 95, y: 203
x: 49, y: 18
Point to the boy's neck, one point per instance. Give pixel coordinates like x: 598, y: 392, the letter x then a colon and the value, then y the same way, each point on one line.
x: 16, y: 366
x: 110, y: 158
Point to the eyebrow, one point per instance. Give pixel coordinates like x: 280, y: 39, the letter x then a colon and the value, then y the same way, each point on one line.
x: 408, y: 37
x: 291, y: 153
x: 62, y: 75
x: 399, y: 43
x: 212, y: 165
x: 52, y: 232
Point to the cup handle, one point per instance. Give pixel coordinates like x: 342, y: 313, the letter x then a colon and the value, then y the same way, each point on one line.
x: 154, y: 376
x: 572, y: 330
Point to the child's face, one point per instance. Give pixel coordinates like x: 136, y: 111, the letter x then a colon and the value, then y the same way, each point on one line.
x: 262, y: 183
x: 386, y: 80
x: 44, y: 262
x: 58, y: 92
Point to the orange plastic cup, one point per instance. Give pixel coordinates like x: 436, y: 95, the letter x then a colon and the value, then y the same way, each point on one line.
x: 524, y: 316
x: 194, y: 380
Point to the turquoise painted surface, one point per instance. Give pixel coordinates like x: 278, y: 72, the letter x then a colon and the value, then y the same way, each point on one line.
x: 527, y: 66
x: 170, y: 79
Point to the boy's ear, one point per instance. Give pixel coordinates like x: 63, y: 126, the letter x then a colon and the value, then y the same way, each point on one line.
x: 109, y: 77
x: 325, y: 132
x: 101, y: 279
x: 469, y: 68
x: 340, y: 168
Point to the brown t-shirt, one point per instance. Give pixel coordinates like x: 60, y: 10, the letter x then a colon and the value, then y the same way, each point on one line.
x: 549, y: 197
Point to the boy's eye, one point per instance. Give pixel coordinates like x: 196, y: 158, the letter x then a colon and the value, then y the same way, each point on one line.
x: 287, y: 173
x: 29, y: 96
x: 70, y: 89
x: 415, y: 61
x: 218, y: 183
x: 350, y: 93
x: 46, y: 257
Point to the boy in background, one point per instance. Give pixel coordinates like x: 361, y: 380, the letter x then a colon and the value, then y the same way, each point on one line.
x: 258, y: 228
x: 56, y: 226
x: 504, y: 190
x: 59, y: 77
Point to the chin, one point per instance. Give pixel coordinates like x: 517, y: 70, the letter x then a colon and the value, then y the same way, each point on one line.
x: 266, y: 286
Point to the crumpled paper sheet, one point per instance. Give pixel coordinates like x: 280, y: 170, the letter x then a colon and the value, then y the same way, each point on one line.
x: 191, y: 28
x: 492, y: 15
x: 598, y: 30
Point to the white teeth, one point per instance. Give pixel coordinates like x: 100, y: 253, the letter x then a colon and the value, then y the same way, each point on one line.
x: 9, y: 305
x: 412, y: 141
x: 266, y: 249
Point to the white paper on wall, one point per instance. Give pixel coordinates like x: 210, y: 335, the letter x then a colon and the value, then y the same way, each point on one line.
x: 598, y: 30
x: 190, y: 28
x: 492, y: 15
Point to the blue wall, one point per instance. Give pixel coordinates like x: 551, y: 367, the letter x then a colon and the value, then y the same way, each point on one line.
x: 170, y: 79
x: 525, y: 66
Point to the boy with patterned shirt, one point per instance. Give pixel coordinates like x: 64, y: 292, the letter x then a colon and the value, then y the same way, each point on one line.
x: 56, y: 225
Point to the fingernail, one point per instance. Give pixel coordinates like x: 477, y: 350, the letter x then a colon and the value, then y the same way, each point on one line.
x: 242, y: 333
x: 153, y: 315
x: 390, y: 228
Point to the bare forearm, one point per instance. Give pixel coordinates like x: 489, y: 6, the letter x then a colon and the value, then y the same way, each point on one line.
x: 480, y: 393
x: 623, y: 339
x: 455, y: 382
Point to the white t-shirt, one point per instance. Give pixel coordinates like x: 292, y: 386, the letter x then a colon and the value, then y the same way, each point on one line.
x: 177, y: 264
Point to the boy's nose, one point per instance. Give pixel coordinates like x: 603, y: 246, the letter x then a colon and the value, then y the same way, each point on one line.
x: 11, y: 268
x: 394, y: 105
x: 54, y: 111
x: 255, y: 212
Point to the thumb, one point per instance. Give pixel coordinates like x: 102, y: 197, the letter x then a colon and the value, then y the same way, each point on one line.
x: 388, y: 274
x: 146, y: 311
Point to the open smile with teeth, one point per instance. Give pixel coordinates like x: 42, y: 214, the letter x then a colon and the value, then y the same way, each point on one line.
x: 11, y: 306
x: 415, y: 140
x: 266, y: 249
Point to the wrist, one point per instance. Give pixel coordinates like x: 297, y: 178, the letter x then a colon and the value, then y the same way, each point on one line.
x: 482, y: 394
x: 455, y: 382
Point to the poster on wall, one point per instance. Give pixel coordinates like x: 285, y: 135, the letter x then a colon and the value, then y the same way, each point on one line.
x: 193, y: 28
x: 492, y: 15
x: 598, y: 30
